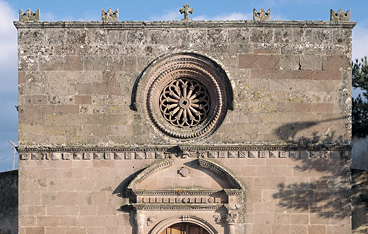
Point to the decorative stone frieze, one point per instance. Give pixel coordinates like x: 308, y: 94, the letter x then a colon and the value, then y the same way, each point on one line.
x: 253, y: 154
x: 180, y: 199
x: 140, y: 154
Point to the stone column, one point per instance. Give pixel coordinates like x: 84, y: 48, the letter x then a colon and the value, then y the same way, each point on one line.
x: 231, y: 228
x: 231, y: 221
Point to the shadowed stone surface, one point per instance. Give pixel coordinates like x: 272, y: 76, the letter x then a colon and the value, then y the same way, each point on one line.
x: 9, y: 202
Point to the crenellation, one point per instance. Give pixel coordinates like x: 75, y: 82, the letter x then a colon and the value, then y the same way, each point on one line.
x: 110, y: 15
x: 339, y: 16
x: 29, y: 16
x: 262, y: 15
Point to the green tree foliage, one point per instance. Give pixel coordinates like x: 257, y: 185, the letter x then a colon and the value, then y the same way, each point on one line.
x: 360, y: 104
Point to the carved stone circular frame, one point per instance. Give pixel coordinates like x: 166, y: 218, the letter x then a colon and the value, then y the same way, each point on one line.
x: 191, y: 118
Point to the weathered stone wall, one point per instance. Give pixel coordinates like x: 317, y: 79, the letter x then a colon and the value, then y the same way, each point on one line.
x: 9, y: 202
x: 290, y: 80
x: 84, y: 133
x: 303, y: 193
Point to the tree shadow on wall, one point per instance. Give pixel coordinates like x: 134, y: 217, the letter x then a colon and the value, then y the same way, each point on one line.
x: 289, y: 133
x: 326, y: 190
x: 322, y: 181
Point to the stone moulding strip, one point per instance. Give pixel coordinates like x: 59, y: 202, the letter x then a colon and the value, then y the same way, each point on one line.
x: 170, y: 148
x: 222, y: 172
x: 184, y: 24
x: 176, y: 206
x: 152, y: 155
x: 149, y: 170
x: 174, y: 192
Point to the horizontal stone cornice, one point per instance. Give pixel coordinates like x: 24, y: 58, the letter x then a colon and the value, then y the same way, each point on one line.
x: 172, y: 148
x: 184, y: 24
x: 142, y: 153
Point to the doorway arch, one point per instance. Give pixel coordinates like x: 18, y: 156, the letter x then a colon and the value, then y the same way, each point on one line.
x: 184, y: 228
x: 187, y: 221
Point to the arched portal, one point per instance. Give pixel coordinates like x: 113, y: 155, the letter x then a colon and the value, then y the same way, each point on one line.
x: 184, y: 228
x: 212, y: 205
x: 183, y: 225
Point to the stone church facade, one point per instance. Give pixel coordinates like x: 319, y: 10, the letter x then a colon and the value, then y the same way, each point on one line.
x: 184, y: 126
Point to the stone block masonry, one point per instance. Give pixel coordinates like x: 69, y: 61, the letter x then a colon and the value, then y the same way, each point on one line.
x: 83, y: 74
x: 220, y: 126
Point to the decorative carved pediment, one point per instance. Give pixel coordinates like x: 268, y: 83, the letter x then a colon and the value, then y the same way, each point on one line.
x: 148, y: 171
x: 172, y: 174
x: 220, y: 171
x: 185, y: 184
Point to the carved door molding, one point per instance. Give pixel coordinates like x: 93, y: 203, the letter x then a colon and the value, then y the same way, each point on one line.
x: 184, y: 228
x: 212, y: 209
x: 164, y: 224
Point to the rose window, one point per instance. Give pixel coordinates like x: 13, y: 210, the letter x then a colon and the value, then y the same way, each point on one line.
x: 184, y: 102
x: 186, y: 95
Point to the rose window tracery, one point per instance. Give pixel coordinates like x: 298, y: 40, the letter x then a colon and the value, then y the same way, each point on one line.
x: 186, y: 95
x: 184, y: 102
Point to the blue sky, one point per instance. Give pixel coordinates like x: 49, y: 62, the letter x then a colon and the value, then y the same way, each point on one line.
x: 148, y: 10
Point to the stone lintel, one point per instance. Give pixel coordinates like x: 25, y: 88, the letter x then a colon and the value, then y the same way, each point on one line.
x: 185, y: 24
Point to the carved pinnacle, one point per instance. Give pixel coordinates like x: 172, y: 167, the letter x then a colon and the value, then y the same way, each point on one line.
x: 340, y: 16
x: 29, y: 16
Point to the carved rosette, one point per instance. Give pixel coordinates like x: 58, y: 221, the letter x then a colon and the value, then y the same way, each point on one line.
x: 184, y: 103
x: 186, y: 96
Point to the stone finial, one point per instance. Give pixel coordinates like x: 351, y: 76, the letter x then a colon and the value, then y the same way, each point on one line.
x: 339, y: 16
x: 186, y: 10
x: 29, y: 16
x: 109, y: 15
x: 262, y: 15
